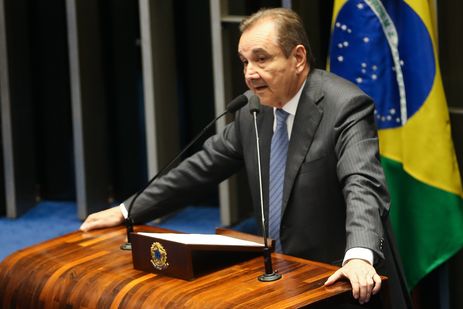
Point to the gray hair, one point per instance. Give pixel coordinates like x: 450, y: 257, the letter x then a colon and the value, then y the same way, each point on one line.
x: 290, y: 29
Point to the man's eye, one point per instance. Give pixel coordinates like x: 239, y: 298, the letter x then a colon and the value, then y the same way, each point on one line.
x: 261, y: 59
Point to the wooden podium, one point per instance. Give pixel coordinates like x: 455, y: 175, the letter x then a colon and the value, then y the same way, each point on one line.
x: 88, y: 270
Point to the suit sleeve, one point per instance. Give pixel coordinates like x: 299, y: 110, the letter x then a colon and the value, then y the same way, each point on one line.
x: 220, y: 157
x: 361, y: 175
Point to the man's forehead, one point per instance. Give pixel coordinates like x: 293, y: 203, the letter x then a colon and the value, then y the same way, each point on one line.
x: 259, y: 38
x: 262, y: 29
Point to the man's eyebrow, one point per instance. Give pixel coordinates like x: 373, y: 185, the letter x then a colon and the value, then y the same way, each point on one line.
x: 258, y: 50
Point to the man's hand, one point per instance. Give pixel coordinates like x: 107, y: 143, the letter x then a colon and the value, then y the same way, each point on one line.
x: 106, y: 218
x: 362, y: 276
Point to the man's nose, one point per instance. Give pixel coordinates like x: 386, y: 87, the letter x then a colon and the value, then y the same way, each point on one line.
x: 250, y: 72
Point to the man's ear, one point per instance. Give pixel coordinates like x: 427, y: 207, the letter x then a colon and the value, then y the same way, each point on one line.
x: 300, y: 55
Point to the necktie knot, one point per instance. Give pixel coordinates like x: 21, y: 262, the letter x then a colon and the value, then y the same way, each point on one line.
x: 281, y: 116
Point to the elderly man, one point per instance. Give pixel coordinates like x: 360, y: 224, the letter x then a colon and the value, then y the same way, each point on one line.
x: 323, y: 183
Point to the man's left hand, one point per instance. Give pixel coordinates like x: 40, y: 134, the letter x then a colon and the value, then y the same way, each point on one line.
x: 362, y: 276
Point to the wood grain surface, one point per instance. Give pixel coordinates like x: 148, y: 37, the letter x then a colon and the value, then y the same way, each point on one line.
x: 88, y: 270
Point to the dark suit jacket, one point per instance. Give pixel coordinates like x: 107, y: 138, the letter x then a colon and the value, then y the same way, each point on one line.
x: 334, y: 193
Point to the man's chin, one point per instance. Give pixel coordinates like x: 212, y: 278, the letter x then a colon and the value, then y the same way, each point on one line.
x: 269, y: 102
x: 264, y: 100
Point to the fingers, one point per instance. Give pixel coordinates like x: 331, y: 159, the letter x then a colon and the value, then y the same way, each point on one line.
x: 334, y: 277
x: 363, y: 279
x: 106, y: 218
x: 354, y: 282
x: 90, y: 223
x: 364, y: 289
x: 377, y: 280
x: 367, y: 286
x: 361, y: 290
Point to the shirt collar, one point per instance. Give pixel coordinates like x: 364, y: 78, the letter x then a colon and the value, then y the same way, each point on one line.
x: 291, y: 106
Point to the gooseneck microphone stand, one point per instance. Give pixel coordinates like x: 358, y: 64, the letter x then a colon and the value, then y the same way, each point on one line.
x: 232, y: 107
x: 270, y: 274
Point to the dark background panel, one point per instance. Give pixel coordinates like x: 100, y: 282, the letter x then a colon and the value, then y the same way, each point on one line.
x: 18, y: 22
x: 89, y: 104
x: 244, y: 8
x: 456, y: 120
x: 455, y: 265
x: 123, y: 83
x: 450, y: 29
x: 194, y: 69
x: 194, y: 76
x: 450, y: 50
x: 40, y: 88
x: 317, y: 20
x: 49, y: 72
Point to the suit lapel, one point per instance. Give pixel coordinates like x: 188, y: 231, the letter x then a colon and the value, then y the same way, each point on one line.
x: 307, y: 119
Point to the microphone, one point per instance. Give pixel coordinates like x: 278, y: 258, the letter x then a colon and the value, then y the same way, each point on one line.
x: 254, y: 106
x: 232, y: 107
x: 269, y: 275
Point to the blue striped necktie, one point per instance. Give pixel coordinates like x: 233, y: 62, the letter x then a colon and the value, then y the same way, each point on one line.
x: 278, y: 155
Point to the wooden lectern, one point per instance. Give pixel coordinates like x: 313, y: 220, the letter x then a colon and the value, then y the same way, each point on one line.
x: 88, y: 270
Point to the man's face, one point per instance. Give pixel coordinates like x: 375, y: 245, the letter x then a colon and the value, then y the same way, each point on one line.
x: 267, y: 72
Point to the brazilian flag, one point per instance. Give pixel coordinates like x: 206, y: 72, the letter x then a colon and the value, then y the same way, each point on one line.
x: 388, y: 48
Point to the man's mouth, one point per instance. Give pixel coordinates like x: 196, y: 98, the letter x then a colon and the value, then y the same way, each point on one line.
x: 260, y: 88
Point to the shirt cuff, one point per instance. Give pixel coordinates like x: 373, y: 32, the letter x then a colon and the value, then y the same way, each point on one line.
x: 358, y: 253
x: 124, y: 211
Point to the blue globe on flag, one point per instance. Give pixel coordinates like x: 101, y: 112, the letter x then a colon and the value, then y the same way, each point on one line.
x: 396, y: 68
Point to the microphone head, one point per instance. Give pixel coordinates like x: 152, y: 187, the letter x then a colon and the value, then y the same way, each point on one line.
x: 254, y: 104
x: 237, y: 103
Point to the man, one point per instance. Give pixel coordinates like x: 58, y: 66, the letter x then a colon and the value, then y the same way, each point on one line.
x: 331, y: 195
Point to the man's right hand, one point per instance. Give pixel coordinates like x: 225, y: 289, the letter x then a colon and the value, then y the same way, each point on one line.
x: 106, y: 218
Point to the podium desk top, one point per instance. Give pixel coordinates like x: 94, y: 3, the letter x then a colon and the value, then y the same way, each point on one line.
x: 88, y: 270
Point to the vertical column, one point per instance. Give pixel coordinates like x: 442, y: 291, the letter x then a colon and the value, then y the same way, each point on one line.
x: 16, y: 108
x: 4, y: 108
x: 227, y: 203
x: 88, y: 106
x: 233, y: 193
x: 159, y: 82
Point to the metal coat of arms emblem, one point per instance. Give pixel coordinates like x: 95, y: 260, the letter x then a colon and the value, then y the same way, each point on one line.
x: 158, y: 256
